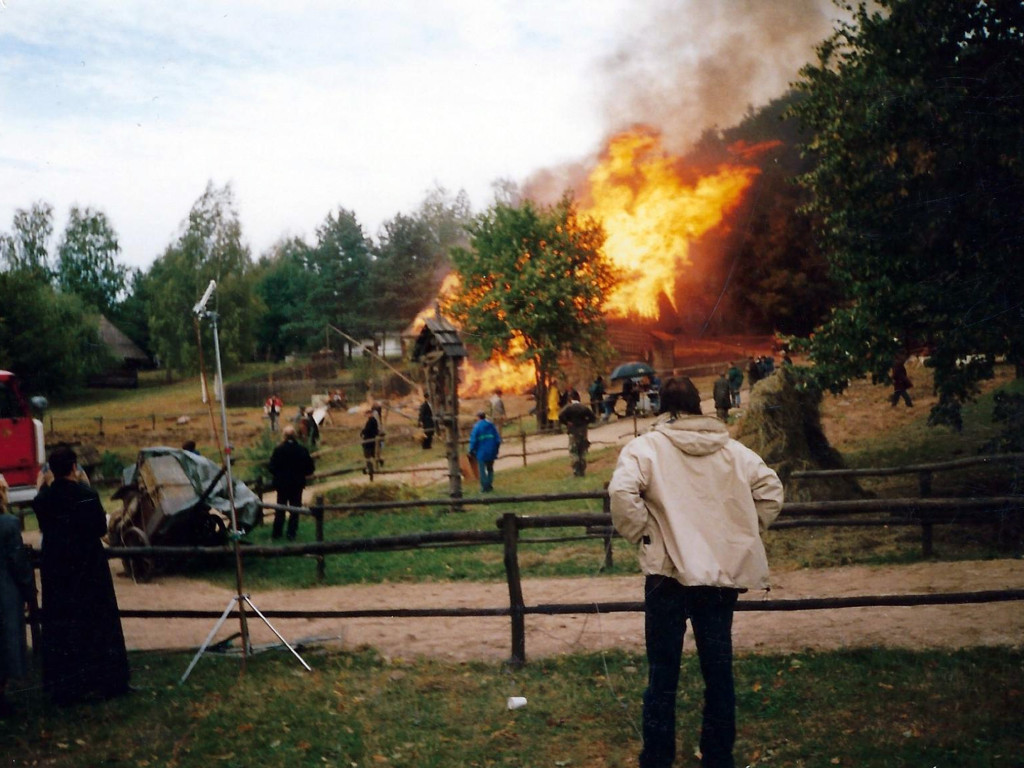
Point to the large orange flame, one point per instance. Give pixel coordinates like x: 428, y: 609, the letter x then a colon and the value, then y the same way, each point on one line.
x: 497, y: 372
x: 652, y: 208
x: 651, y: 213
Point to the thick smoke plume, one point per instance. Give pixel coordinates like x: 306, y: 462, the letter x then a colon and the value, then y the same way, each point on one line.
x: 691, y: 65
x: 687, y: 66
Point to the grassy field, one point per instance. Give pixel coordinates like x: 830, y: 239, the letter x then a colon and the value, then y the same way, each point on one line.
x: 865, y: 708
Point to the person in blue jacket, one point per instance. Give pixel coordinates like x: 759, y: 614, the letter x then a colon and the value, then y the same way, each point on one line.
x: 483, y: 446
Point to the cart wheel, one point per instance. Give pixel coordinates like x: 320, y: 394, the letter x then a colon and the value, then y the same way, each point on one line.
x: 212, y: 530
x: 139, y: 568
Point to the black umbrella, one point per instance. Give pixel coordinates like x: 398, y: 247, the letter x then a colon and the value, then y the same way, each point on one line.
x: 632, y: 370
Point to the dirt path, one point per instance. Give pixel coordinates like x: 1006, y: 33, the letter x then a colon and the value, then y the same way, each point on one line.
x: 488, y: 639
x: 540, y: 447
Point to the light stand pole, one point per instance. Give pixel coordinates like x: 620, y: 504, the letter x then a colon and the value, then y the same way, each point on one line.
x: 240, y: 596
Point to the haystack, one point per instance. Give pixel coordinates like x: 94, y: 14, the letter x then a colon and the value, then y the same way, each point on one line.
x: 783, y: 424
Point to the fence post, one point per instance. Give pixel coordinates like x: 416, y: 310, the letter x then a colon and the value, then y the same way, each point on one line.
x: 924, y: 484
x: 51, y: 423
x: 318, y: 516
x: 510, y: 535
x: 152, y: 419
x: 99, y: 419
x: 522, y: 437
x: 606, y: 507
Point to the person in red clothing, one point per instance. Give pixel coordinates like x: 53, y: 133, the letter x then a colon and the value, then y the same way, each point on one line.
x: 272, y: 407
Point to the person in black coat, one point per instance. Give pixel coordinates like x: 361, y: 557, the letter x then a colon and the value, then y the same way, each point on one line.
x: 82, y: 643
x: 721, y: 393
x: 290, y: 464
x: 17, y: 587
x: 426, y: 422
x: 371, y: 434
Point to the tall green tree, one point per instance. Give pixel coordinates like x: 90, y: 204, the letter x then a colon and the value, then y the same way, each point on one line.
x: 341, y: 262
x: 209, y: 247
x: 26, y: 247
x: 285, y: 284
x: 405, y: 271
x: 47, y: 337
x: 916, y: 114
x: 533, y: 285
x: 131, y: 313
x: 87, y: 260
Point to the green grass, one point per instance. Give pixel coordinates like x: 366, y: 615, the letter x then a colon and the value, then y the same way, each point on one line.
x: 921, y: 444
x: 477, y: 563
x: 865, y: 708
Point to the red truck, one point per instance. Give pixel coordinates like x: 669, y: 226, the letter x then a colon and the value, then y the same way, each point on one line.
x: 21, y: 441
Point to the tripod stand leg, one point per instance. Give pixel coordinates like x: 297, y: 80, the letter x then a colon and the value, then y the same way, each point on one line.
x: 279, y: 635
x: 209, y: 638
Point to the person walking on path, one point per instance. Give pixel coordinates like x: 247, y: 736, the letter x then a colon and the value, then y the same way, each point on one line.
x: 82, y: 641
x: 290, y: 465
x: 695, y: 502
x: 735, y: 376
x: 17, y: 587
x: 722, y: 396
x: 900, y: 383
x: 272, y: 407
x: 484, y: 442
x: 577, y: 418
x: 425, y: 421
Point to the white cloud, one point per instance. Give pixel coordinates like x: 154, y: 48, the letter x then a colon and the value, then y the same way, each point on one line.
x: 132, y: 106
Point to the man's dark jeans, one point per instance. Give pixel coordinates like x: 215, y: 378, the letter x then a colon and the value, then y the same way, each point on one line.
x: 290, y: 497
x: 668, y: 604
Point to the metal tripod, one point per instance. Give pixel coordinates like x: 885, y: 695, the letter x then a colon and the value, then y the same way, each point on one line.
x: 240, y: 596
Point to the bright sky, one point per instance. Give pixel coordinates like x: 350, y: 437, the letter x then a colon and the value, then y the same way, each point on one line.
x: 303, y: 106
x: 132, y: 106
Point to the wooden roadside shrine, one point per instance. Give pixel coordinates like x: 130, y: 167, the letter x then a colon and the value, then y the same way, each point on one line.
x: 440, y: 350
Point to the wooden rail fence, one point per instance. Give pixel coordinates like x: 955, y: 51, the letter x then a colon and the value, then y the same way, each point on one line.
x: 510, y: 526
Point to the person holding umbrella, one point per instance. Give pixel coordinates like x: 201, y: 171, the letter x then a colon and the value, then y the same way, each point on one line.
x: 628, y: 372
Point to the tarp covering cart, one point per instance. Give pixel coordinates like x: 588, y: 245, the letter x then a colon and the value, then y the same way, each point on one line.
x: 172, y: 497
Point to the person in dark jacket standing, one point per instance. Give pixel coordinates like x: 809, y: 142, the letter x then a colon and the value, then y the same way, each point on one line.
x: 371, y: 437
x: 722, y: 395
x: 425, y: 421
x: 735, y: 376
x: 290, y: 465
x: 82, y: 644
x: 17, y: 587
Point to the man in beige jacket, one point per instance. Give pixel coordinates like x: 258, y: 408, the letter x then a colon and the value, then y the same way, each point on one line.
x: 695, y: 502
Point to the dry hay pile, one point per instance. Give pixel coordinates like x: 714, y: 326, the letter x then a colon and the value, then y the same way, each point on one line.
x: 782, y: 423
